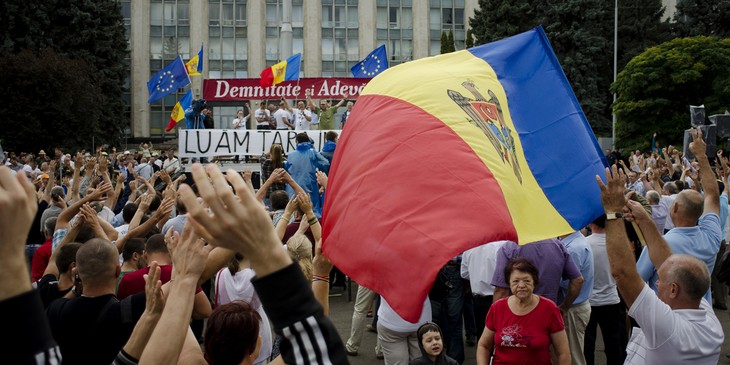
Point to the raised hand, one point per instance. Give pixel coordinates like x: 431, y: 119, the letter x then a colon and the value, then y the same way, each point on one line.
x: 612, y: 193
x: 237, y: 223
x: 189, y: 254
x: 155, y: 302
x: 100, y: 190
x: 305, y: 202
x: 698, y: 146
x: 322, y: 179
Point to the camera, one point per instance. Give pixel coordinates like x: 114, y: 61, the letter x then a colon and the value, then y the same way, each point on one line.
x: 199, y: 105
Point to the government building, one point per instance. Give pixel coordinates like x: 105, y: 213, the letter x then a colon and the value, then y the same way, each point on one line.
x: 241, y: 38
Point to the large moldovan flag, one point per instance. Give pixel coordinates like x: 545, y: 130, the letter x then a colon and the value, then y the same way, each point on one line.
x: 446, y: 153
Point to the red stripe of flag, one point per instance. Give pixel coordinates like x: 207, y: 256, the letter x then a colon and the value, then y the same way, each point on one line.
x: 397, y: 183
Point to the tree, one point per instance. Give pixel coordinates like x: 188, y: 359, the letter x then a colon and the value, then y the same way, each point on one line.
x: 497, y: 19
x: 581, y: 34
x: 469, y: 39
x: 640, y: 27
x: 450, y: 43
x: 48, y: 101
x: 576, y: 29
x: 703, y: 17
x: 656, y: 88
x: 444, y: 43
x: 91, y: 31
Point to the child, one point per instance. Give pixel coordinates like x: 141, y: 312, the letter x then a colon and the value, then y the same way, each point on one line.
x: 430, y: 340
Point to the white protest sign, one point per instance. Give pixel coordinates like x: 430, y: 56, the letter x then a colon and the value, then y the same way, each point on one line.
x: 225, y: 142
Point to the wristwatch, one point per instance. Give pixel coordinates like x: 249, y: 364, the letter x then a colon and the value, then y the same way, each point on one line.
x: 612, y: 216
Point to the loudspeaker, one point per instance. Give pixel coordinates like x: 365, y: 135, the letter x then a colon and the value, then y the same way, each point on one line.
x: 722, y: 121
x: 697, y: 115
x: 709, y: 134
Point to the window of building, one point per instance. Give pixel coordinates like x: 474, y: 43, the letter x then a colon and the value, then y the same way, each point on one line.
x: 445, y: 16
x: 274, y: 14
x: 339, y: 37
x: 394, y: 28
x: 227, y: 39
x: 169, y: 38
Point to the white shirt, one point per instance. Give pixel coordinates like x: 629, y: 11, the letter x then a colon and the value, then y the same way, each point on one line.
x: 604, y: 286
x: 666, y: 336
x: 172, y: 165
x: 240, y: 123
x: 145, y: 170
x: 300, y: 118
x: 667, y: 201
x: 392, y: 321
x: 315, y: 119
x: 279, y: 115
x: 262, y: 114
x: 477, y: 266
x: 106, y: 214
x: 122, y: 230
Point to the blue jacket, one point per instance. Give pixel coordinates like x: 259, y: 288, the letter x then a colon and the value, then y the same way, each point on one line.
x: 328, y: 150
x: 302, y: 165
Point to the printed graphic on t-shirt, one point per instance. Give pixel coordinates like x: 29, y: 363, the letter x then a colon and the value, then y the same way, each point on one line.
x: 511, y: 337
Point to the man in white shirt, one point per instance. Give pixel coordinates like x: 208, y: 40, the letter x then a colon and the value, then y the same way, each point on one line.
x: 282, y: 117
x: 678, y: 325
x: 262, y: 116
x: 302, y: 117
x: 606, y: 309
x: 477, y: 266
x: 239, y: 123
x: 144, y: 169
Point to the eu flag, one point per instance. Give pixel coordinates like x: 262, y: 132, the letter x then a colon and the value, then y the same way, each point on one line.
x: 169, y: 79
x: 375, y: 63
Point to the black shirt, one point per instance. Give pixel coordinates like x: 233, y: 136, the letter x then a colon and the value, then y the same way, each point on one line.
x: 48, y: 289
x: 91, y: 330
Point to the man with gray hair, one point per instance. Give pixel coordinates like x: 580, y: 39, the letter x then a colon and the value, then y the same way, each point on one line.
x: 658, y: 211
x: 697, y: 230
x: 678, y: 325
x: 669, y: 194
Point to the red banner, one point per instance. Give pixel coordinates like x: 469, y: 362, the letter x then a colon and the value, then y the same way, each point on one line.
x: 249, y: 89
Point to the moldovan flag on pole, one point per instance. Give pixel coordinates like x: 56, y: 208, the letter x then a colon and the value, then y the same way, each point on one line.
x: 446, y: 153
x: 195, y: 65
x: 283, y: 71
x: 178, y: 111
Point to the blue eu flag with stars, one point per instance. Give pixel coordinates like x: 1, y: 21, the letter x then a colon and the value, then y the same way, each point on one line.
x: 169, y: 79
x: 375, y: 63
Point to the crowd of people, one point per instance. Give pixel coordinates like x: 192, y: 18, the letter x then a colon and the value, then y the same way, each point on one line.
x: 120, y: 257
x: 280, y: 115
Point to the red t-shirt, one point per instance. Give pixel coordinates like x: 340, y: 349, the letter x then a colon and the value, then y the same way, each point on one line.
x: 133, y: 282
x: 523, y: 339
x: 41, y: 257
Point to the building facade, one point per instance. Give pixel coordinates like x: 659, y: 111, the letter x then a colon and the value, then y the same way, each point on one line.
x: 241, y: 38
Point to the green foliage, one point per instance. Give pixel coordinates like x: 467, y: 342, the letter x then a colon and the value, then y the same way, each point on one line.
x: 89, y: 31
x: 57, y: 105
x: 450, y: 42
x: 497, y: 19
x: 469, y: 39
x: 581, y: 34
x: 703, y: 17
x: 444, y: 43
x: 657, y: 87
x: 640, y: 27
